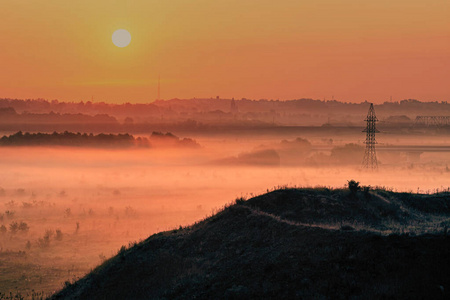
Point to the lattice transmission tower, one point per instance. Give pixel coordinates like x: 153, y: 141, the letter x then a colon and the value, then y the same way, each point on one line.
x: 370, y: 156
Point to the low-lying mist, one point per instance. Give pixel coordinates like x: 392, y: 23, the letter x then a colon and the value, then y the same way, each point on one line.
x: 80, y: 205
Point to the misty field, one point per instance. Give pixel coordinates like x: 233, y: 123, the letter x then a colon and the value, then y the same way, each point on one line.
x: 65, y: 210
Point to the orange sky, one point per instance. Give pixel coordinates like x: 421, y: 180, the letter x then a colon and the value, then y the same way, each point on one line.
x: 286, y: 49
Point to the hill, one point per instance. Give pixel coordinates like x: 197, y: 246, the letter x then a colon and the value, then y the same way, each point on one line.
x: 290, y: 243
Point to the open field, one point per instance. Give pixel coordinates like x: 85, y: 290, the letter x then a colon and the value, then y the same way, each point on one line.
x: 80, y: 205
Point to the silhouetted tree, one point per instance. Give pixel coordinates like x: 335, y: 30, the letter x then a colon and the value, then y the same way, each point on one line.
x: 353, y: 186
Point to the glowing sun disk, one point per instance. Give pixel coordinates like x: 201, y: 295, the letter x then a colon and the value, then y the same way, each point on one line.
x: 121, y: 38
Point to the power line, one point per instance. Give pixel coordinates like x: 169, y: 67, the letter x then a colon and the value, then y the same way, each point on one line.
x: 370, y: 156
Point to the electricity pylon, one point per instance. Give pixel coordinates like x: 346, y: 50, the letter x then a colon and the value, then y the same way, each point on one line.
x: 370, y: 156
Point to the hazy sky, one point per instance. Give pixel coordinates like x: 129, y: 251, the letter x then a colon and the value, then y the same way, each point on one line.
x: 286, y: 49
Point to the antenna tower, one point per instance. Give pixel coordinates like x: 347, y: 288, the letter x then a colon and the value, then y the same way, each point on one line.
x: 370, y: 156
x: 159, y: 87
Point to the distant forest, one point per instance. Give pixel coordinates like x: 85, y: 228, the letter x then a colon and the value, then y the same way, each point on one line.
x: 71, y: 139
x: 157, y: 139
x: 193, y: 113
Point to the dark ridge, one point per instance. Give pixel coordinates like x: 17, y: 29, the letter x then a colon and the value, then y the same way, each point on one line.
x: 73, y: 139
x: 249, y: 251
x: 375, y: 209
x: 66, y: 138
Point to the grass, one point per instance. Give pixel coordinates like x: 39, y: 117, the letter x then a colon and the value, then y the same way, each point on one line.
x: 43, y: 245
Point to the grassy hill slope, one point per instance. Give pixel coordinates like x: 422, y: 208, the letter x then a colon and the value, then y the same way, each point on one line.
x: 290, y: 243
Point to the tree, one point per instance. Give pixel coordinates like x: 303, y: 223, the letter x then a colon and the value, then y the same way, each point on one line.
x: 353, y: 186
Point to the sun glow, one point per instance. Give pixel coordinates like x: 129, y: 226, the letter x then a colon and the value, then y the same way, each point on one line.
x: 121, y: 38
x: 287, y: 50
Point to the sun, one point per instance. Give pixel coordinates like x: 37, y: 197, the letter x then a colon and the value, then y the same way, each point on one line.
x: 121, y: 38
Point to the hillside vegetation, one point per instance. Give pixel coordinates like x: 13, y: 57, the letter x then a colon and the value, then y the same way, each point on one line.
x: 290, y: 243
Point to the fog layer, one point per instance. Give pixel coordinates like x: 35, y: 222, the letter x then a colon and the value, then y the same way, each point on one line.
x: 81, y: 205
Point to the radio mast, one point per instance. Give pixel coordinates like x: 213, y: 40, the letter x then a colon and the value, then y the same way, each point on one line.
x: 159, y: 87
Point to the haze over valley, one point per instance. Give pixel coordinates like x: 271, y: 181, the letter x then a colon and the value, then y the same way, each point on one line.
x: 82, y: 196
x: 224, y: 149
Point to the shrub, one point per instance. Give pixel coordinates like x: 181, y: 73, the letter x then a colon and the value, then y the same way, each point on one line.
x: 102, y: 257
x: 59, y: 235
x: 3, y: 229
x: 14, y: 227
x: 10, y: 204
x: 44, y: 242
x: 240, y: 200
x: 122, y: 250
x: 130, y: 212
x: 27, y: 204
x: 9, y: 214
x: 353, y: 186
x: 48, y: 233
x: 67, y: 212
x: 23, y: 227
